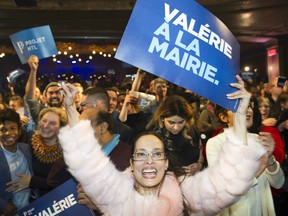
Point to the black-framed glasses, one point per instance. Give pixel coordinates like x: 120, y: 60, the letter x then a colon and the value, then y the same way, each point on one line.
x: 142, y: 156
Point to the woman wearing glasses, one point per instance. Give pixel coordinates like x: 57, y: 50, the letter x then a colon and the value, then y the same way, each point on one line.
x: 150, y: 187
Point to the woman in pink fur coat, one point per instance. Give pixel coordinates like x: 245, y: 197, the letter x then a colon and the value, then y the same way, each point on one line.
x: 147, y: 187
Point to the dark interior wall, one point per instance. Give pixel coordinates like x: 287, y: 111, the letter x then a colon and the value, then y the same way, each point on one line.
x: 283, y: 56
x: 256, y: 59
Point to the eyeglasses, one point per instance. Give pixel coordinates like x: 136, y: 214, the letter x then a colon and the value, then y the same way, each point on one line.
x: 142, y: 156
x: 83, y: 104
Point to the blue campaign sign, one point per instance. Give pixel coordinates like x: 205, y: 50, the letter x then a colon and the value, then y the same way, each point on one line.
x: 37, y: 41
x: 185, y: 44
x: 61, y: 201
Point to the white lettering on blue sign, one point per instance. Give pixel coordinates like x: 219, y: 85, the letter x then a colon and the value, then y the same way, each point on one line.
x: 183, y: 53
x: 184, y: 60
x: 59, y: 206
x: 203, y: 33
x: 31, y: 44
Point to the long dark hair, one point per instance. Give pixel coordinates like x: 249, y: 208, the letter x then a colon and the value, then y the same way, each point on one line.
x: 256, y: 126
x: 257, y: 119
x: 177, y: 171
x: 173, y: 105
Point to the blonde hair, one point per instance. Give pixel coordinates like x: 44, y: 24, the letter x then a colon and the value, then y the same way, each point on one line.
x: 60, y: 112
x: 264, y: 100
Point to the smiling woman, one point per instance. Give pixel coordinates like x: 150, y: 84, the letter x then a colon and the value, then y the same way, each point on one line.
x: 150, y: 187
x: 46, y: 151
x: 148, y: 163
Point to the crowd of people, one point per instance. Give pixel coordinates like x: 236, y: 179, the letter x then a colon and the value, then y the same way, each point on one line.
x: 146, y: 148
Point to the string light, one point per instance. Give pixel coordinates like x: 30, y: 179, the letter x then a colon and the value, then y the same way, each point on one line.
x: 65, y: 48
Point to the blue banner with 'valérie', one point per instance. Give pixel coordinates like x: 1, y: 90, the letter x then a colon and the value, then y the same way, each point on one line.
x: 60, y: 201
x: 185, y: 44
x: 37, y: 41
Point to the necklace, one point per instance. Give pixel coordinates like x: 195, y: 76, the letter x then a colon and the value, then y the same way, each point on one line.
x: 46, y: 154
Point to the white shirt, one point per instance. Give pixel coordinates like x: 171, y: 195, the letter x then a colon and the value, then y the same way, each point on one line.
x: 258, y: 200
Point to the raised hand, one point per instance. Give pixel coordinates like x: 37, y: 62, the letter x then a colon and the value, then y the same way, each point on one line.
x: 33, y: 62
x: 242, y: 94
x: 69, y: 92
x: 267, y: 141
x: 239, y: 118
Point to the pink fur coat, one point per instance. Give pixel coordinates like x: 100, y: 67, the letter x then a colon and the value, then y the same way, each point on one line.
x: 113, y: 192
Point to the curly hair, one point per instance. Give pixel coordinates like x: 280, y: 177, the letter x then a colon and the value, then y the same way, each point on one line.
x: 10, y: 115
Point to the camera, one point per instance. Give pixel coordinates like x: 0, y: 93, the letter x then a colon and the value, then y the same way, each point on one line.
x: 281, y: 81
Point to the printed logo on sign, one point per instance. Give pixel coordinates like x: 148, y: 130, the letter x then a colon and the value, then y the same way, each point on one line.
x: 20, y: 45
x: 29, y: 212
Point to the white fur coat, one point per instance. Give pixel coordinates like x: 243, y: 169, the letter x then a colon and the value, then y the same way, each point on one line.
x: 113, y: 192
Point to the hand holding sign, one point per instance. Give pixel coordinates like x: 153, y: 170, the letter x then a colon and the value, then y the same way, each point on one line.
x: 83, y: 199
x: 33, y: 63
x: 240, y: 93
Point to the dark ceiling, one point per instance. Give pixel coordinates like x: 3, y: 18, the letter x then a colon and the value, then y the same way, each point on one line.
x: 255, y: 23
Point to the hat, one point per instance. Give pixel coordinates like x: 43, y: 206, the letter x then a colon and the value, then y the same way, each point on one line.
x: 49, y: 85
